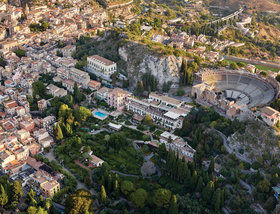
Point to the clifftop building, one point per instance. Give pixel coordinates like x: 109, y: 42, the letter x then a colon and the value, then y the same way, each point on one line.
x: 101, y: 67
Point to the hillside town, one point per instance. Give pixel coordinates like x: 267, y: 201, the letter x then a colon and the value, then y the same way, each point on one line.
x: 118, y: 106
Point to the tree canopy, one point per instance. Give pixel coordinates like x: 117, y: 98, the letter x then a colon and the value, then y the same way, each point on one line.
x: 78, y: 202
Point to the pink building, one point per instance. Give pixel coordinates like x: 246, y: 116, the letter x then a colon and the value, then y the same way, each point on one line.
x: 42, y: 105
x: 117, y: 98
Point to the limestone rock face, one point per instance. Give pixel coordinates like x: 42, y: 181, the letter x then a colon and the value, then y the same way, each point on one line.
x: 139, y: 61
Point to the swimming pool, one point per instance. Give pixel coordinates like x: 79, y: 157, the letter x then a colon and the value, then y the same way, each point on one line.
x: 100, y: 114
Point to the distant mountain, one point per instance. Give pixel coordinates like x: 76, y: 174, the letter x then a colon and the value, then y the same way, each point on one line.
x: 253, y: 5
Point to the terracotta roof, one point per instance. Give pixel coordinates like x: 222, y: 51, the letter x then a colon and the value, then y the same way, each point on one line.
x: 119, y: 91
x: 96, y: 159
x: 102, y: 60
x: 94, y: 83
x: 269, y: 111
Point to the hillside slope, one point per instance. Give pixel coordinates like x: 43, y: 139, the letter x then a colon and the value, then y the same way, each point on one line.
x: 254, y: 5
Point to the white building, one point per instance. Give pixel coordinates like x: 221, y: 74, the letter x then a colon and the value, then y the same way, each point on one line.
x: 96, y: 161
x: 176, y: 143
x: 79, y: 76
x: 68, y: 50
x: 101, y: 67
x: 270, y: 116
x: 164, y: 111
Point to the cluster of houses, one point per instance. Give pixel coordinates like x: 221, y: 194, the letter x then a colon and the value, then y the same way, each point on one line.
x: 64, y: 22
x: 184, y: 41
x: 40, y: 177
x: 21, y: 137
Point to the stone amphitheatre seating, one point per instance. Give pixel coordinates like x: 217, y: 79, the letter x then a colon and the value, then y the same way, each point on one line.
x: 248, y: 88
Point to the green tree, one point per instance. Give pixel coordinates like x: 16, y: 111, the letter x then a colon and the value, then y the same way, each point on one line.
x: 60, y: 44
x: 199, y: 185
x: 103, y: 195
x: 32, y: 210
x: 148, y: 120
x: 139, y: 197
x: 161, y: 197
x: 78, y: 202
x: 139, y: 89
x: 211, y: 166
x: 78, y: 96
x: 107, y: 139
x: 208, y: 191
x: 216, y: 200
x: 68, y: 129
x: 30, y: 198
x: 82, y: 114
x: 264, y: 73
x: 173, y: 208
x: 263, y: 186
x: 278, y: 77
x: 3, y: 196
x: 20, y: 53
x: 65, y: 114
x: 165, y: 87
x: 127, y: 187
x: 38, y: 88
x: 180, y: 92
x: 17, y: 191
x: 58, y: 132
x: 116, y: 186
x: 193, y: 181
x: 234, y: 66
x: 48, y: 204
x: 3, y: 62
x: 42, y: 211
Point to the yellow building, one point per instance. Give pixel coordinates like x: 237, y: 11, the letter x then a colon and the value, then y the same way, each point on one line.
x: 49, y: 188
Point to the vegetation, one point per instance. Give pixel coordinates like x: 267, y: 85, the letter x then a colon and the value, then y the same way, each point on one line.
x: 79, y: 201
x: 20, y: 53
x: 39, y: 27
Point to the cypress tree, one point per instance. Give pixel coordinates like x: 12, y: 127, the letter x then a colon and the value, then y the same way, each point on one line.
x: 222, y: 197
x: 187, y: 180
x: 103, y: 195
x: 193, y: 180
x: 3, y: 196
x: 109, y: 183
x: 207, y: 192
x: 58, y: 132
x: 116, y: 186
x: 199, y: 185
x: 216, y: 200
x: 211, y: 166
x: 173, y: 208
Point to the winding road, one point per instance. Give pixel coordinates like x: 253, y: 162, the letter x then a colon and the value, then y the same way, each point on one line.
x: 80, y: 185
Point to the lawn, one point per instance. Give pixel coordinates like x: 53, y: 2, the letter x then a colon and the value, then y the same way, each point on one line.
x: 157, y: 133
x: 132, y: 133
x: 126, y: 160
x: 266, y: 68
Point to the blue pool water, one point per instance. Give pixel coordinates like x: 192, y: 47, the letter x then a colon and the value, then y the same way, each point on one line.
x: 99, y: 114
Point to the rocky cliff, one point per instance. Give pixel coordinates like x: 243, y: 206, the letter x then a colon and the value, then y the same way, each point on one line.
x: 139, y: 60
